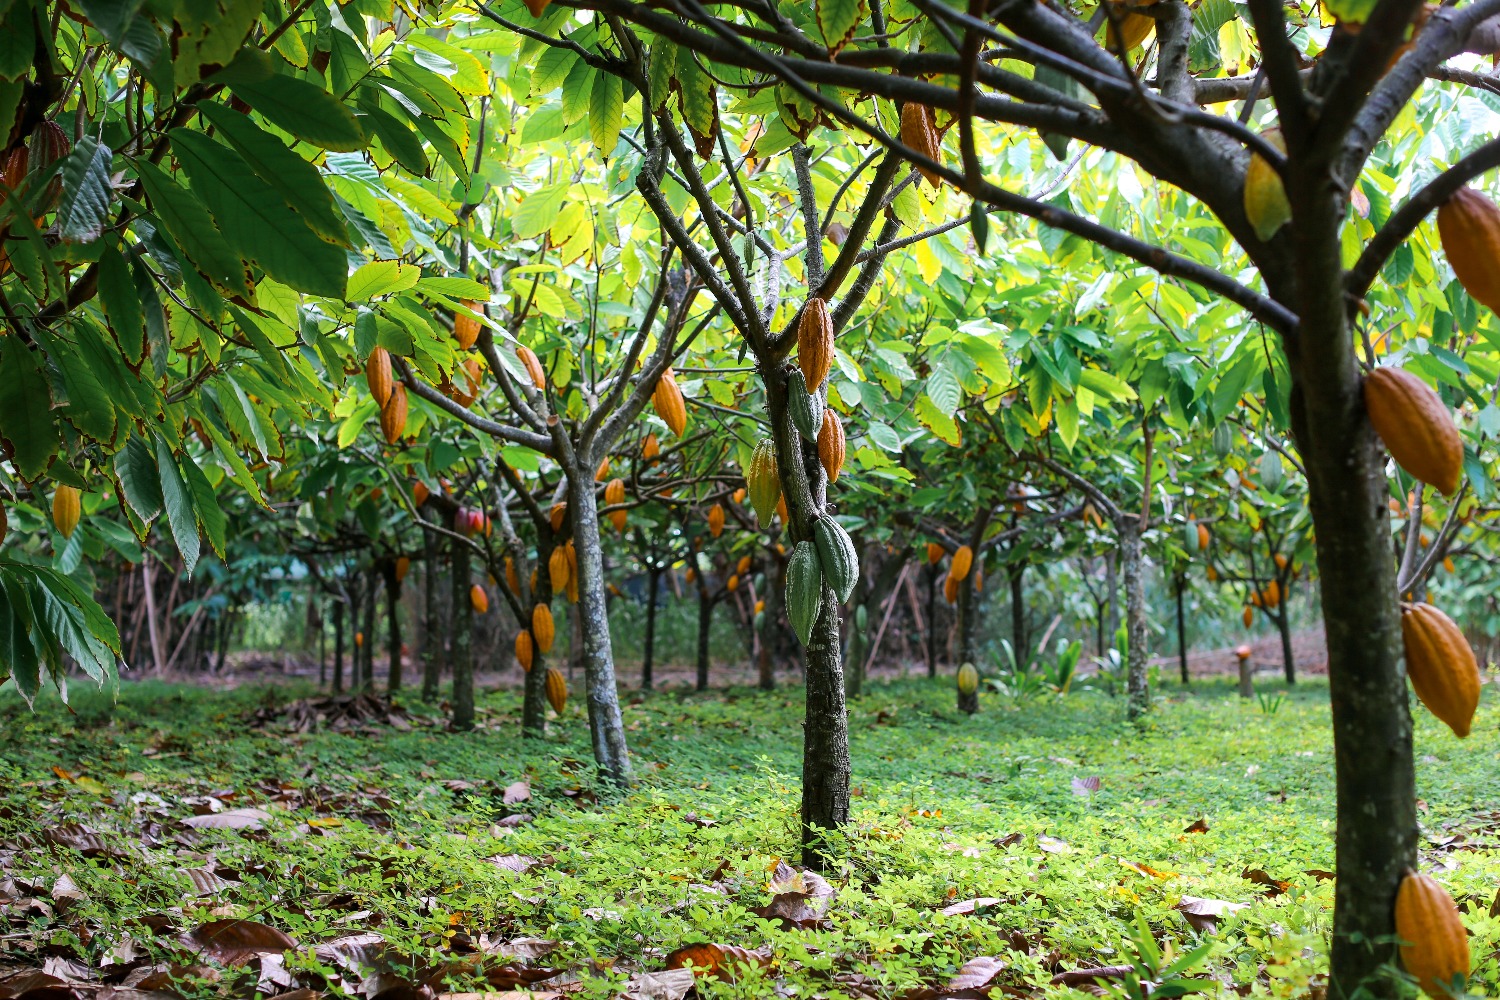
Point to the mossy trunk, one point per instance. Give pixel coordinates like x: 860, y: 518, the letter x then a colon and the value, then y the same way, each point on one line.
x: 705, y: 628
x: 606, y: 726
x: 393, y: 628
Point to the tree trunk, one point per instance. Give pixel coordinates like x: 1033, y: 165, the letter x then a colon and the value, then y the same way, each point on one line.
x: 393, y: 627
x: 322, y: 648
x: 1016, y: 574
x: 1284, y: 626
x: 653, y: 582
x: 338, y: 646
x: 432, y: 636
x: 606, y: 727
x: 366, y: 653
x: 462, y: 640
x: 705, y: 627
x: 1112, y: 596
x: 1247, y: 678
x: 1138, y: 694
x: 1182, y: 631
x: 931, y: 644
x: 534, y: 689
x: 965, y: 625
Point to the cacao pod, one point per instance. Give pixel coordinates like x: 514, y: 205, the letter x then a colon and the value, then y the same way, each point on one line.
x: 1469, y: 227
x: 1447, y: 560
x: 614, y: 493
x: 1415, y: 426
x: 602, y: 473
x: 1434, y: 944
x: 534, y: 574
x: 1280, y: 561
x: 1266, y: 205
x: 1441, y: 665
x: 979, y: 581
x: 378, y: 374
x: 805, y: 408
x: 1133, y: 31
x: 49, y: 143
x: 472, y: 377
x: 466, y: 327
x: 359, y: 639
x: 1203, y: 537
x: 1270, y: 471
x: 764, y: 482
x: 667, y: 399
x: 733, y: 583
x: 968, y: 679
x: 1212, y: 574
x: 393, y: 414
x: 558, y: 515
x: 557, y: 568
x: 837, y: 556
x: 963, y: 559
x: 524, y: 651
x: 419, y: 494
x: 533, y: 366
x: 650, y: 448
x: 814, y: 344
x: 716, y: 520
x: 512, y: 579
x: 1248, y: 616
x: 760, y: 607
x: 573, y: 581
x: 67, y: 508
x: 781, y: 510
x: 403, y: 567
x: 557, y: 690
x: 934, y: 553
x: 1271, y: 596
x: 743, y: 566
x: 831, y: 445
x: 919, y: 132
x: 691, y: 575
x: 804, y: 590
x: 543, y: 628
x: 1223, y: 440
x: 950, y: 588
x: 739, y: 495
x: 479, y: 599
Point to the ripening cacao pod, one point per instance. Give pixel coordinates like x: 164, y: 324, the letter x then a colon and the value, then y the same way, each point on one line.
x: 49, y: 143
x: 479, y: 599
x: 716, y: 520
x: 1280, y: 561
x: 733, y: 583
x: 760, y: 606
x: 805, y: 408
x: 1266, y: 205
x: 557, y: 690
x: 524, y: 650
x: 572, y: 589
x: 691, y: 575
x: 1469, y: 227
x: 1441, y: 665
x: 804, y: 590
x: 963, y: 559
x: 1212, y: 574
x: 950, y: 588
x: 1434, y: 944
x: 1248, y: 616
x: 403, y: 567
x: 614, y: 493
x: 1203, y: 537
x: 1271, y: 596
x: 512, y: 579
x: 739, y: 495
x: 934, y: 553
x: 471, y: 376
x: 466, y: 327
x: 378, y: 374
x: 535, y: 571
x: 1447, y: 560
x: 602, y: 473
x: 393, y: 414
x: 831, y: 445
x: 558, y: 515
x: 557, y: 568
x: 1415, y: 426
x: 763, y: 481
x: 419, y: 494
x: 743, y: 566
x: 543, y: 628
x: 837, y: 557
x: 533, y: 366
x: 1133, y: 31
x: 781, y: 510
x: 667, y: 400
x: 814, y: 343
x: 968, y: 679
x: 67, y: 508
x: 979, y: 580
x: 919, y: 132
x: 650, y: 448
x: 13, y: 171
x: 359, y: 639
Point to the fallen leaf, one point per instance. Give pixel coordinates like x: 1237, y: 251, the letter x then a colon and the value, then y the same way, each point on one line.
x: 715, y: 961
x: 976, y: 974
x: 229, y: 819
x: 1052, y: 845
x: 968, y: 852
x: 673, y: 984
x: 1085, y: 977
x: 206, y: 881
x: 969, y: 906
x: 1006, y: 840
x: 1273, y: 886
x: 520, y: 791
x: 518, y: 863
x: 1205, y: 914
x: 1086, y: 786
x: 236, y: 942
x: 1197, y: 826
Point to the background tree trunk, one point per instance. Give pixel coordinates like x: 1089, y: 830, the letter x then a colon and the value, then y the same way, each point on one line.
x: 393, y: 627
x: 653, y: 581
x: 1015, y: 574
x: 606, y: 727
x: 1138, y: 694
x: 1112, y: 596
x: 1284, y: 626
x: 705, y: 627
x: 338, y: 645
x: 1181, y: 579
x: 432, y: 635
x: 367, y: 651
x: 930, y: 645
x: 462, y: 641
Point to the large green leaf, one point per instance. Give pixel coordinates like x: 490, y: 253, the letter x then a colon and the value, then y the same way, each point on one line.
x: 606, y: 111
x: 210, y: 514
x: 86, y: 193
x: 89, y: 406
x: 18, y: 654
x: 122, y: 306
x: 304, y: 109
x: 187, y: 220
x: 837, y: 20
x: 181, y: 514
x: 256, y: 221
x: 26, y: 408
x: 135, y: 468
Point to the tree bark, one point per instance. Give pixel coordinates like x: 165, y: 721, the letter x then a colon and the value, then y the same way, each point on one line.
x: 367, y: 652
x: 653, y: 582
x: 1284, y: 626
x: 1181, y: 630
x: 393, y: 627
x: 1016, y: 575
x: 705, y: 628
x: 966, y: 620
x: 606, y: 726
x: 432, y: 636
x: 1138, y: 694
x: 1112, y: 595
x: 931, y: 644
x: 462, y: 641
x: 1247, y: 677
x: 534, y: 689
x: 338, y: 646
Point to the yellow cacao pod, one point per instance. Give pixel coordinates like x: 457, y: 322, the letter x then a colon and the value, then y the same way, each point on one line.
x: 1434, y: 944
x: 716, y: 520
x: 831, y: 445
x: 557, y: 568
x: 667, y: 399
x: 1469, y: 227
x: 1415, y: 426
x: 1134, y: 29
x: 393, y: 414
x: 533, y: 366
x: 950, y: 589
x: 733, y: 583
x: 815, y: 343
x: 543, y: 628
x: 524, y: 651
x: 557, y: 690
x: 1266, y: 205
x: 963, y: 559
x: 764, y: 481
x: 650, y: 448
x: 743, y: 566
x: 1441, y: 665
x: 67, y: 508
x: 378, y: 374
x: 968, y: 679
x: 479, y: 599
x: 466, y: 327
x: 512, y: 580
x: 919, y: 132
x: 558, y: 515
x: 934, y: 553
x: 572, y: 556
x: 614, y: 492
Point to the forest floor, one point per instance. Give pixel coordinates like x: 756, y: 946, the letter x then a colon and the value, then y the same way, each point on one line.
x: 182, y: 841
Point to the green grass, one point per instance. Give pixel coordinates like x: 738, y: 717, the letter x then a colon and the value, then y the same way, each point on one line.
x: 622, y: 882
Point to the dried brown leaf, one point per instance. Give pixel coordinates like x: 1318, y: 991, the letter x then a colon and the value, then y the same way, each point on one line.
x: 236, y: 942
x: 229, y: 819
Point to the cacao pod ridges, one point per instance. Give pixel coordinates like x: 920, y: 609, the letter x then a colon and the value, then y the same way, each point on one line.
x: 763, y: 481
x: 814, y: 343
x: 67, y: 509
x: 1469, y: 227
x: 919, y: 132
x: 1415, y: 426
x: 1434, y: 943
x: 1441, y: 665
x: 804, y: 590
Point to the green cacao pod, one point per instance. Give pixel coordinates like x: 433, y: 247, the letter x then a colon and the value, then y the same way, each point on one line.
x: 836, y: 553
x: 763, y: 481
x: 1270, y: 470
x: 804, y: 590
x: 806, y: 408
x: 968, y: 679
x: 1223, y: 439
x: 861, y: 618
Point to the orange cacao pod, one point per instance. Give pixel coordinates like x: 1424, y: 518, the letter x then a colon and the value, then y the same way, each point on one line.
x: 67, y: 508
x: 393, y: 414
x: 1434, y: 944
x: 479, y: 599
x: 650, y: 448
x: 950, y: 589
x: 667, y: 399
x: 831, y: 445
x: 572, y: 555
x: 934, y: 553
x: 1212, y: 574
x: 359, y: 639
x: 979, y: 581
x: 533, y: 365
x: 602, y: 473
x: 1203, y: 537
x: 1415, y: 426
x: 716, y: 520
x: 815, y: 343
x: 542, y: 627
x: 733, y: 583
x: 524, y: 651
x: 781, y: 510
x: 378, y: 374
x: 419, y: 494
x: 739, y: 495
x: 403, y: 567
x: 1469, y: 227
x: 558, y: 515
x: 614, y: 492
x: 743, y: 566
x: 1248, y: 616
x: 963, y: 559
x: 919, y: 132
x: 1441, y: 665
x: 557, y: 568
x: 1271, y: 596
x: 557, y: 690
x: 466, y: 327
x: 512, y: 580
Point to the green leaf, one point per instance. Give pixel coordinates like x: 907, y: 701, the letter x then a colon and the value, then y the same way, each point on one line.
x: 536, y: 213
x: 935, y: 420
x: 18, y: 652
x: 381, y: 277
x: 135, y: 468
x: 26, y: 408
x: 256, y: 221
x: 455, y: 287
x: 17, y: 40
x: 122, y: 306
x: 606, y: 111
x: 943, y: 389
x: 398, y: 139
x: 187, y: 221
x: 210, y: 516
x: 304, y: 109
x: 181, y: 514
x: 89, y: 406
x: 86, y: 193
x: 837, y: 20
x: 663, y: 64
x: 1105, y: 384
